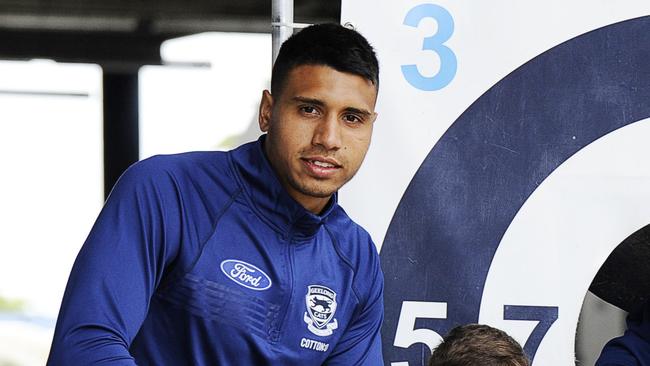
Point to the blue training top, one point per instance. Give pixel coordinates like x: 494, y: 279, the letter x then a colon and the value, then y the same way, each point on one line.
x: 204, y: 259
x: 633, y: 347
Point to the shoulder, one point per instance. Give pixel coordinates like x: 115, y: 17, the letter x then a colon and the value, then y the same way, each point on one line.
x: 355, y: 246
x: 353, y: 239
x: 178, y: 170
x: 183, y: 163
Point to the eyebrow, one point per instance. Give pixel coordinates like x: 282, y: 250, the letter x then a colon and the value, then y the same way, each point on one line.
x: 300, y: 99
x: 359, y: 111
x: 319, y: 102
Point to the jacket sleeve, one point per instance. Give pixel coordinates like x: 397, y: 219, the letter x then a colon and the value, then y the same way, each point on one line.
x: 633, y: 347
x: 361, y: 343
x: 117, y: 270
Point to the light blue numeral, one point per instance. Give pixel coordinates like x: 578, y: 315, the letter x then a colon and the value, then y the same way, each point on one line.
x: 435, y: 43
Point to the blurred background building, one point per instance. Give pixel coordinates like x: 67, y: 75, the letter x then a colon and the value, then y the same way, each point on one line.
x: 86, y: 89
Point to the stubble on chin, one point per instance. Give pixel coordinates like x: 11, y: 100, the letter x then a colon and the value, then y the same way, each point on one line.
x: 312, y: 190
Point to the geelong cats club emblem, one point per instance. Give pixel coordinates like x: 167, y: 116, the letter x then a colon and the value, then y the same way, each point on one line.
x: 321, y: 306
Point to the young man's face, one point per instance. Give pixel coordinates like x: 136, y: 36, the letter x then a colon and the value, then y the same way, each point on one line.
x: 319, y: 130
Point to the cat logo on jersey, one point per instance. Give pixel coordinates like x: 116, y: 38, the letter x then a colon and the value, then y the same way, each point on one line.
x: 321, y: 306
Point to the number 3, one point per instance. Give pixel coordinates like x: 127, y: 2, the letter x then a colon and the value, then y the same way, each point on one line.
x: 435, y: 43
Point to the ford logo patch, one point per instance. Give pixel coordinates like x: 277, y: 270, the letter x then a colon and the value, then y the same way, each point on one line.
x: 245, y: 274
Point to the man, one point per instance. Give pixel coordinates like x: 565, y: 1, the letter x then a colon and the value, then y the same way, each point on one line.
x: 242, y: 257
x: 478, y: 345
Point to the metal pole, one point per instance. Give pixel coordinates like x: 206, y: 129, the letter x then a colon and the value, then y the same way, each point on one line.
x: 282, y: 21
x: 121, y: 137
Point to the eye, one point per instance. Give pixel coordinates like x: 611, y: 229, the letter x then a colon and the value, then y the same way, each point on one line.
x: 308, y: 109
x: 352, y: 118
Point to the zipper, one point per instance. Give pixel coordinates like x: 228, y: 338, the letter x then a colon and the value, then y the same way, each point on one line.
x: 290, y: 261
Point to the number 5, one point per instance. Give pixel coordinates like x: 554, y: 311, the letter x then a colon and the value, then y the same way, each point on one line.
x: 406, y: 334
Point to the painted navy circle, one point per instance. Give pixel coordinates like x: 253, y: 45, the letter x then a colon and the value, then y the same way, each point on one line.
x: 469, y: 188
x: 246, y: 274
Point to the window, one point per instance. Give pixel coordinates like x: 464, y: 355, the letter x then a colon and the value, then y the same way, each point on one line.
x: 207, y: 96
x: 51, y: 190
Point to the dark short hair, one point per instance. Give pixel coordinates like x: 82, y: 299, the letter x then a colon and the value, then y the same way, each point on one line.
x: 478, y: 345
x: 333, y: 45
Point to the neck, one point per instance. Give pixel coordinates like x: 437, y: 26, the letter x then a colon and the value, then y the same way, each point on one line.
x: 314, y: 205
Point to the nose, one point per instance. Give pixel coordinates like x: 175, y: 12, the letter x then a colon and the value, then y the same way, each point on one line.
x: 327, y: 133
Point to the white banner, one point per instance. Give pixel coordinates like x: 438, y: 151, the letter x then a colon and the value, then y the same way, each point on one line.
x: 507, y: 162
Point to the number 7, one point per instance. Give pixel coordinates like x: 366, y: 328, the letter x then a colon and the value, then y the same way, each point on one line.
x: 545, y: 315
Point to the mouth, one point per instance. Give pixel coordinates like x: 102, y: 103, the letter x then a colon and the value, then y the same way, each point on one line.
x: 321, y: 167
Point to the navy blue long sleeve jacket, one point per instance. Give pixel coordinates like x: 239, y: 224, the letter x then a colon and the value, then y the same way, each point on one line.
x: 633, y: 347
x: 204, y: 259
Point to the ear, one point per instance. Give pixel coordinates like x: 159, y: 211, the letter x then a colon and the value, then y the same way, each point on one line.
x: 266, y: 110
